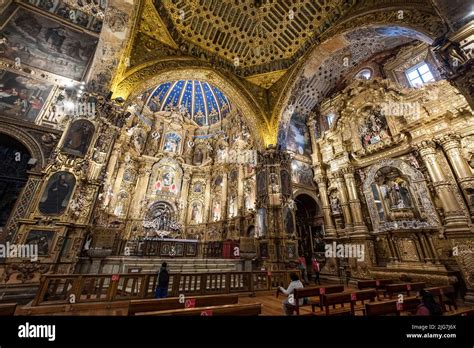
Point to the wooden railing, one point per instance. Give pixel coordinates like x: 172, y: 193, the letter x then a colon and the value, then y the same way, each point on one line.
x: 80, y: 288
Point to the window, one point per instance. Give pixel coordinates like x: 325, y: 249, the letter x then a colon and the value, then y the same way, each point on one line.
x: 419, y: 75
x: 364, y: 74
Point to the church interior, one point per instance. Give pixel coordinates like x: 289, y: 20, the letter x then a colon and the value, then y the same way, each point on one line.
x: 325, y: 146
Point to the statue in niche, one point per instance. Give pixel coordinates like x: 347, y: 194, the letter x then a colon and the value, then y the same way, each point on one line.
x: 198, y: 187
x: 78, y: 137
x: 232, y: 210
x: 335, y: 205
x: 198, y: 157
x: 138, y: 140
x: 374, y: 128
x: 397, y: 194
x: 216, y: 211
x: 196, y: 212
x: 172, y: 142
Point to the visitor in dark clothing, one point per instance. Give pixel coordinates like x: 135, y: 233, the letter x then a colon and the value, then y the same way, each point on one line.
x: 163, y: 281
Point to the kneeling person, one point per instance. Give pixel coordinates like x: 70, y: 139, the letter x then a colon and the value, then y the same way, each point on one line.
x: 289, y: 303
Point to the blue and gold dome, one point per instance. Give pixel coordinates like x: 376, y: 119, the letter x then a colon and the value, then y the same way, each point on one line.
x: 200, y: 101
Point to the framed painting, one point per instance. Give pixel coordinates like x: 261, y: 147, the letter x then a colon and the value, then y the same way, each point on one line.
x: 47, y: 44
x: 57, y: 193
x: 42, y: 238
x: 22, y: 97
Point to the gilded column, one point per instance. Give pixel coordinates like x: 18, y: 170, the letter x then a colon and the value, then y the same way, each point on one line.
x: 207, y: 217
x: 141, y: 187
x: 183, y: 204
x: 452, y: 147
x: 321, y: 180
x: 224, y: 212
x: 344, y: 197
x: 455, y: 219
x: 354, y: 202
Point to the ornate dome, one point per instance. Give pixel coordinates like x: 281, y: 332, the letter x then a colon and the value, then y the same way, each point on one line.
x: 200, y: 101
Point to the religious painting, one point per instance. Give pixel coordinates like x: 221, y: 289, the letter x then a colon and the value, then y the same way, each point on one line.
x: 261, y: 222
x: 374, y: 128
x: 285, y: 183
x: 43, y: 239
x: 298, y: 138
x: 172, y: 142
x: 288, y: 221
x: 196, y: 212
x: 78, y: 137
x: 291, y: 250
x: 167, y: 182
x: 57, y: 193
x: 261, y: 184
x: 232, y: 206
x: 198, y: 187
x: 263, y: 250
x: 302, y: 173
x: 47, y: 44
x: 22, y: 97
x: 218, y: 181
x: 191, y: 249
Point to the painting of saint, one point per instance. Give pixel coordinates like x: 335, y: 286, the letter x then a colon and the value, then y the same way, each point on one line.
x: 216, y: 211
x: 57, y: 193
x: 198, y: 157
x: 172, y: 142
x: 198, y: 187
x: 261, y: 222
x: 285, y: 183
x: 22, y: 97
x: 43, y: 239
x: 374, y: 128
x: 261, y: 184
x: 47, y: 44
x: 78, y: 137
x: 298, y: 138
x: 288, y: 221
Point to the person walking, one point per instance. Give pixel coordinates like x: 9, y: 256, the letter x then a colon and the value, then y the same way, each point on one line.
x: 302, y: 268
x: 163, y: 281
x: 316, y: 270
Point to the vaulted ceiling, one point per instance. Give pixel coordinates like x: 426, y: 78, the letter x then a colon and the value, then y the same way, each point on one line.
x: 251, y: 37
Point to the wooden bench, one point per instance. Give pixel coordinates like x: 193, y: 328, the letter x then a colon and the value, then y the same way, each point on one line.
x: 154, y: 305
x: 313, y: 292
x: 444, y: 291
x: 392, y: 289
x: 348, y: 297
x: 374, y: 284
x: 409, y: 304
x: 462, y: 313
x: 7, y: 309
x: 117, y: 308
x: 225, y: 310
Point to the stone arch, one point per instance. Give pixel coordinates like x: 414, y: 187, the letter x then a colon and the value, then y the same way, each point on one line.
x: 149, y: 75
x: 28, y: 141
x: 302, y: 83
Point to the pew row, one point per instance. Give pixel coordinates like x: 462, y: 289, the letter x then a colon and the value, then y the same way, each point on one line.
x: 225, y: 310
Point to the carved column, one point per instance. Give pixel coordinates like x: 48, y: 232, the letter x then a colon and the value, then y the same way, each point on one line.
x: 354, y: 202
x: 321, y: 180
x: 206, y: 217
x: 456, y: 221
x: 452, y: 147
x: 224, y: 212
x: 344, y: 197
x: 144, y: 173
x: 274, y: 196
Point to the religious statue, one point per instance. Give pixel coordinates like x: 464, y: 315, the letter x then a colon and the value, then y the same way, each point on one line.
x: 335, y: 205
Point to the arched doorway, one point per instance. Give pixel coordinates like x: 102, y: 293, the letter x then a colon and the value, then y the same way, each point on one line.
x: 14, y: 158
x: 309, y: 225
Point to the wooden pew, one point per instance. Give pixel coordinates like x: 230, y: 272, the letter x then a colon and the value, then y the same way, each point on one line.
x: 313, y: 292
x: 374, y: 284
x: 154, y: 305
x: 225, y: 310
x: 392, y: 289
x: 409, y: 304
x: 348, y: 297
x: 444, y: 291
x: 7, y: 309
x: 462, y: 313
x: 117, y: 308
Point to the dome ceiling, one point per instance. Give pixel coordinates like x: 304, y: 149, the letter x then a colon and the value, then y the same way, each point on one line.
x: 202, y: 102
x: 251, y: 36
